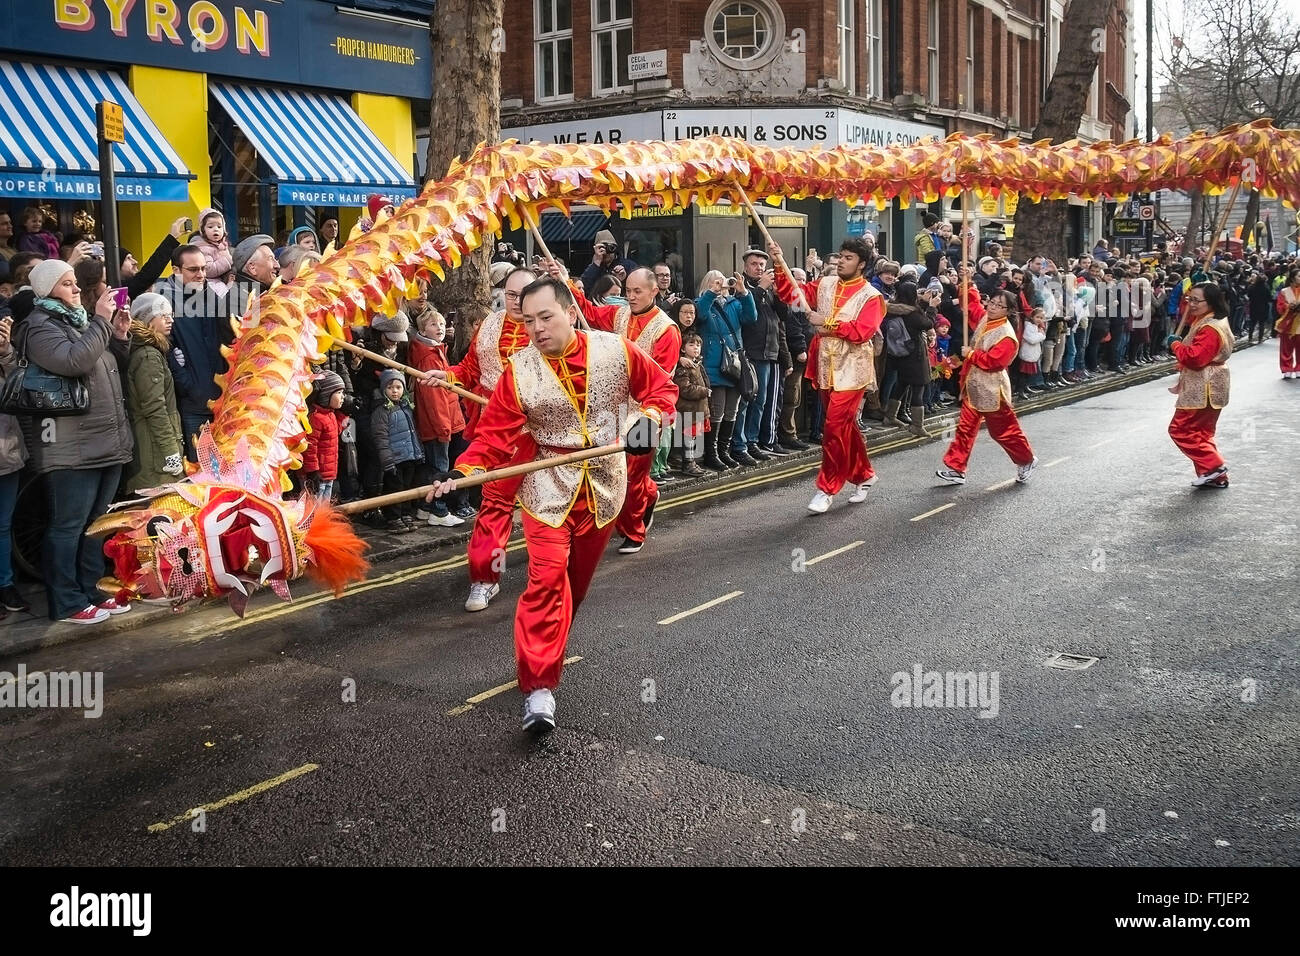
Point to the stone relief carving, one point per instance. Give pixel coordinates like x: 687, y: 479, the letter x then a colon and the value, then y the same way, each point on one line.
x: 705, y: 76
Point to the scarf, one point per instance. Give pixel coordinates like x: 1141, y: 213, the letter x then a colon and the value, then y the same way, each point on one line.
x: 74, y: 316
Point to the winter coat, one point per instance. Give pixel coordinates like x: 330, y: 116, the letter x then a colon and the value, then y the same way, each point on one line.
x: 798, y: 332
x: 151, y: 396
x: 195, y: 355
x: 438, y: 414
x: 763, y: 339
x: 322, y: 453
x: 1031, y: 345
x: 102, y: 436
x: 912, y: 369
x: 13, y: 449
x: 719, y: 320
x: 337, y: 361
x: 393, y: 428
x: 692, y: 387
x: 42, y: 243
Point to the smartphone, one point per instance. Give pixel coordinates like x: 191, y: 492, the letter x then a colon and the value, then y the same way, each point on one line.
x: 121, y: 300
x: 189, y: 225
x: 96, y: 250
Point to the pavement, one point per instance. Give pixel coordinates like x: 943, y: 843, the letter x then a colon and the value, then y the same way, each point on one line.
x: 740, y: 691
x: 25, y: 632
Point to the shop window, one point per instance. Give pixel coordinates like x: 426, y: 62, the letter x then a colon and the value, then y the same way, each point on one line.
x: 611, y: 45
x: 554, y: 56
x: 968, y: 99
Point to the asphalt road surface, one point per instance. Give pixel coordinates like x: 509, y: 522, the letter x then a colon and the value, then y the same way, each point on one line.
x: 765, y: 728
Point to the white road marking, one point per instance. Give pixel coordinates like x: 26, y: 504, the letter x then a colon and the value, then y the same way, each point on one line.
x: 703, y: 607
x: 951, y: 504
x: 831, y: 554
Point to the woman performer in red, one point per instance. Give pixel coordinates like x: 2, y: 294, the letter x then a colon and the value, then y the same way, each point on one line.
x: 1202, y: 382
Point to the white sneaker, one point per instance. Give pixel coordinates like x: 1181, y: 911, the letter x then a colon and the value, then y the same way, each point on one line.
x: 539, y: 710
x: 422, y: 515
x: 480, y: 594
x: 821, y: 503
x: 860, y: 495
x: 1024, y: 472
x: 448, y: 520
x: 1211, y: 477
x: 951, y: 476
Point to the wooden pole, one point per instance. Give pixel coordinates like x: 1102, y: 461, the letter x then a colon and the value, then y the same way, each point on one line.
x: 384, y: 360
x: 537, y: 234
x: 512, y: 471
x: 798, y: 287
x: 1214, y: 245
x: 965, y: 272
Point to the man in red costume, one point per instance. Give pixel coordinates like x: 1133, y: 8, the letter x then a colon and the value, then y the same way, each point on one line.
x: 501, y: 335
x: 570, y: 391
x: 1288, y: 325
x: 1202, y: 387
x: 986, y: 393
x: 845, y: 312
x: 640, y: 321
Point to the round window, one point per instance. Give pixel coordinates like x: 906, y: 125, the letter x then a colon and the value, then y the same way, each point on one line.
x: 744, y: 34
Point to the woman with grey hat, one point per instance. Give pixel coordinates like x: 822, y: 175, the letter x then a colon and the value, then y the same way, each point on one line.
x: 151, y: 396
x: 80, y: 456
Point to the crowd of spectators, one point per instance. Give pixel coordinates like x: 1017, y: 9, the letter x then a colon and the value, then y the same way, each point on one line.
x: 149, y: 357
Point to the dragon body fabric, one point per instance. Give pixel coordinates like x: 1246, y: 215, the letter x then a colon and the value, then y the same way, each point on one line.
x: 225, y: 530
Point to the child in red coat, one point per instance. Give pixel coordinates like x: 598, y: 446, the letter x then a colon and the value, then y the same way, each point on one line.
x: 320, y: 462
x: 438, y: 415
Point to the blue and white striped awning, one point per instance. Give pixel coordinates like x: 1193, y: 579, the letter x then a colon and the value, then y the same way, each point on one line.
x: 49, y: 146
x: 317, y: 147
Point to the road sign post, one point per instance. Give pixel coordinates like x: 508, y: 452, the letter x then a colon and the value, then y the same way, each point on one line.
x: 111, y: 128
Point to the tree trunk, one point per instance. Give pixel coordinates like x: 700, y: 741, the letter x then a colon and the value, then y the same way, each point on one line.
x: 466, y: 40
x: 1195, y: 222
x: 1040, y: 226
x: 1252, y: 217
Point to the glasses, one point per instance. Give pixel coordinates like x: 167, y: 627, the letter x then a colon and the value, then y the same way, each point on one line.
x: 513, y: 296
x: 1190, y: 299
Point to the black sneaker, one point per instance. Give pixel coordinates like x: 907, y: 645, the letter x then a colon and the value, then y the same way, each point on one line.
x: 756, y: 453
x: 629, y: 546
x: 11, y: 600
x: 397, y: 526
x: 794, y: 444
x: 465, y: 511
x: 741, y: 458
x: 650, y: 515
x: 773, y: 451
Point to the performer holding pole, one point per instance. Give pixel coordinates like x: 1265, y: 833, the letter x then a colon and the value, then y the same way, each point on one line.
x: 1288, y: 325
x: 654, y: 332
x: 841, y: 363
x: 501, y: 335
x: 986, y: 394
x: 1202, y: 387
x: 570, y: 391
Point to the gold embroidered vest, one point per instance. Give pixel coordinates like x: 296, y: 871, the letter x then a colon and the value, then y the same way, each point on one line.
x: 559, y: 426
x: 656, y: 327
x: 488, y: 346
x: 844, y: 366
x: 1284, y: 325
x: 988, y: 391
x: 1199, y: 387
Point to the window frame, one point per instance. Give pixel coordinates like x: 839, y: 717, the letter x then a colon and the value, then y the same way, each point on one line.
x: 844, y: 39
x: 553, y: 38
x: 932, y: 49
x: 969, y: 105
x: 612, y: 28
x: 875, y: 41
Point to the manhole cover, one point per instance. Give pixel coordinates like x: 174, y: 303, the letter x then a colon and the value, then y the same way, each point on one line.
x: 1070, y: 662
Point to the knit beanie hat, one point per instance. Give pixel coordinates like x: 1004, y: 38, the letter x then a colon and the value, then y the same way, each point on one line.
x: 391, y: 375
x: 328, y: 384
x: 45, y: 276
x: 147, y: 305
x: 375, y: 203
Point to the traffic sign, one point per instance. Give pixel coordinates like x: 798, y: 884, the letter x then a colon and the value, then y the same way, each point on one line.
x: 1147, y: 213
x: 112, y: 127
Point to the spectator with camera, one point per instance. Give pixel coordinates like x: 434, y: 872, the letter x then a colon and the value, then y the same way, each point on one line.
x: 605, y: 260
x: 200, y: 327
x: 80, y: 455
